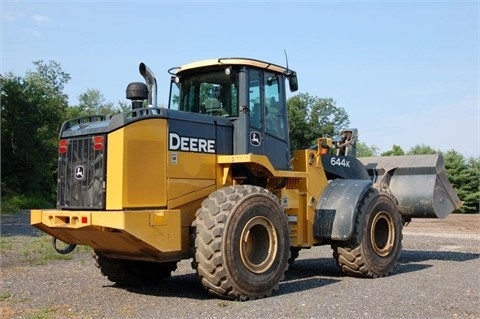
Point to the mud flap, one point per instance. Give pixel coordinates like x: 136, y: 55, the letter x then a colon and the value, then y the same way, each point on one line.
x: 335, y: 211
x: 418, y: 182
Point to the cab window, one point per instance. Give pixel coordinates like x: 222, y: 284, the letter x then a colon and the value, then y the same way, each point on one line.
x: 275, y: 112
x: 212, y: 93
x: 256, y: 114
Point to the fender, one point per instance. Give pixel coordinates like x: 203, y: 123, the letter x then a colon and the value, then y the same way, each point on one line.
x: 336, y: 210
x: 345, y: 167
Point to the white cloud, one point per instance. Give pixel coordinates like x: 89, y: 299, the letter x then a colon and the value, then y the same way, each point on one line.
x: 40, y: 19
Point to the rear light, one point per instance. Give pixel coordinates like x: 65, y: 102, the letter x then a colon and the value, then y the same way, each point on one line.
x: 324, y: 148
x: 62, y: 146
x: 324, y: 145
x: 97, y: 143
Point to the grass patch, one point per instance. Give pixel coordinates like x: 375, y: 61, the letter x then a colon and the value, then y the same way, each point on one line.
x: 45, y: 313
x: 36, y: 250
x: 5, y: 245
x: 5, y: 296
x: 40, y: 251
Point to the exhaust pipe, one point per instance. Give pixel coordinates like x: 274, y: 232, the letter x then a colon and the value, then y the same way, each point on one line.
x: 418, y: 182
x: 151, y: 84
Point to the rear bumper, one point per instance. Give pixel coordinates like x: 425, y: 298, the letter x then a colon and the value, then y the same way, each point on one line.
x: 146, y: 234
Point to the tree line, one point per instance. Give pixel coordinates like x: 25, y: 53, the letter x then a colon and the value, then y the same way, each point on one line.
x: 34, y: 106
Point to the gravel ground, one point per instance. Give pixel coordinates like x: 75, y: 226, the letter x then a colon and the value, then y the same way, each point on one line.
x: 437, y: 276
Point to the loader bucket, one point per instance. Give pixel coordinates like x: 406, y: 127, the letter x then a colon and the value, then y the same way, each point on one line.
x: 418, y: 182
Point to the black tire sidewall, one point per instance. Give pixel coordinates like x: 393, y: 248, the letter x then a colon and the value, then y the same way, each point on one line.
x: 134, y: 273
x: 246, y: 209
x: 377, y: 264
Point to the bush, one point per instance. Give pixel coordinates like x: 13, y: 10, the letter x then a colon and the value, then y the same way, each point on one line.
x: 13, y: 204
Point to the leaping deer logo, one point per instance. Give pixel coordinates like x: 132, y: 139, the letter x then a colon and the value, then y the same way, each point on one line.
x: 79, y: 172
x: 255, y: 138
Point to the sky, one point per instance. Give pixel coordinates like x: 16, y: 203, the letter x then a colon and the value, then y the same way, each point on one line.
x: 406, y: 72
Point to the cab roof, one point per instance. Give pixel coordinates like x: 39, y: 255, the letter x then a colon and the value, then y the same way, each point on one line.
x: 230, y: 61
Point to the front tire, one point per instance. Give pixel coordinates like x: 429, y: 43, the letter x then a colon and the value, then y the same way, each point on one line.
x: 241, y: 243
x: 376, y: 242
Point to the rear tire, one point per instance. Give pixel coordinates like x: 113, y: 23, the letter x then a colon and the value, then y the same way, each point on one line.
x: 125, y: 272
x: 241, y: 243
x: 376, y: 242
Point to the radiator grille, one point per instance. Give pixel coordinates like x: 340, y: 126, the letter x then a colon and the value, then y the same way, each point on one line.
x: 81, y: 174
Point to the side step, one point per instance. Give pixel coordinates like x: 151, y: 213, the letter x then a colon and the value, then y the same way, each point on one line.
x: 418, y: 182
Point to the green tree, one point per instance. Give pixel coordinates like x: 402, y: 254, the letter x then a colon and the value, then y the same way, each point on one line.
x: 33, y: 108
x: 472, y: 198
x: 125, y: 106
x: 422, y: 150
x: 465, y: 178
x: 92, y: 102
x: 395, y: 151
x: 311, y: 117
x: 363, y: 150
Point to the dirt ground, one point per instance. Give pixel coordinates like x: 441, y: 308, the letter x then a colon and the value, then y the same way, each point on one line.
x: 437, y: 276
x: 454, y: 223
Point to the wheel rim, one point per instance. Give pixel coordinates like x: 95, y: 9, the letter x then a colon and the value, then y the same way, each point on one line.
x: 382, y: 234
x: 258, y: 245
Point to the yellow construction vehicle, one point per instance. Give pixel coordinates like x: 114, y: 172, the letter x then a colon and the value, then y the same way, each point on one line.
x: 211, y: 178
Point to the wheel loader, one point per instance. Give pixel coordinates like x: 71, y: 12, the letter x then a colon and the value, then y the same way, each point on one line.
x: 211, y: 179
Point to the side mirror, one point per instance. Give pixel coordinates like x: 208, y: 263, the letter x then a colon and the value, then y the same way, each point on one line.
x: 293, y: 81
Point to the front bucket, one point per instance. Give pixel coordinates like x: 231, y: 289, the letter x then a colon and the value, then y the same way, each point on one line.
x: 418, y: 182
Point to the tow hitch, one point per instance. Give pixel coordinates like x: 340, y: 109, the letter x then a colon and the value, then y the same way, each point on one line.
x: 64, y: 248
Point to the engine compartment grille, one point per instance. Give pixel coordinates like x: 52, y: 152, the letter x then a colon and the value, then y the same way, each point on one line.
x: 81, y: 173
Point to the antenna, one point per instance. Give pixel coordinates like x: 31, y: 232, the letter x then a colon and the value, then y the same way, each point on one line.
x: 286, y: 59
x: 291, y: 76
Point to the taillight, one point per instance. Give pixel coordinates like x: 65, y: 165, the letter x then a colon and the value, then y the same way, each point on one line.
x: 62, y: 146
x: 97, y: 143
x: 324, y: 145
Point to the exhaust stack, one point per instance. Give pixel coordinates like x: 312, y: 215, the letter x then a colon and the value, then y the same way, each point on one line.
x: 151, y: 84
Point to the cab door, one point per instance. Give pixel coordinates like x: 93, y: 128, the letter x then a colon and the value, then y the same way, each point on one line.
x: 267, y: 130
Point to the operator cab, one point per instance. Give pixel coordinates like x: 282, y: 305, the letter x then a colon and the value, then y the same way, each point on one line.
x: 251, y: 93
